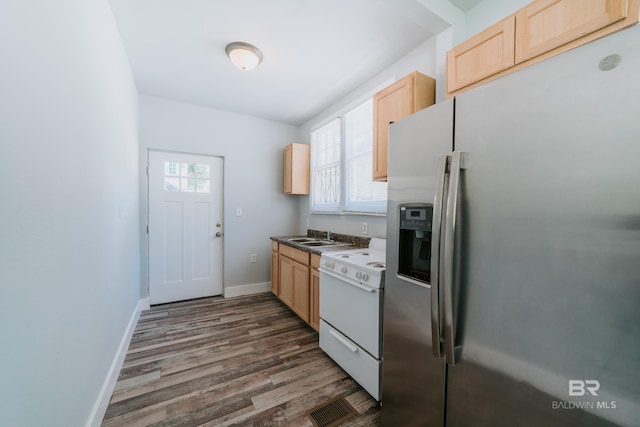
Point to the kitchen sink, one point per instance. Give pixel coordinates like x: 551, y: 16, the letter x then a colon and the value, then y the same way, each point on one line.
x: 302, y: 239
x: 322, y: 243
x: 311, y: 241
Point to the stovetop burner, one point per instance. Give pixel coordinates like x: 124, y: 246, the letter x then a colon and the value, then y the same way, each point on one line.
x: 366, y: 260
x: 365, y: 265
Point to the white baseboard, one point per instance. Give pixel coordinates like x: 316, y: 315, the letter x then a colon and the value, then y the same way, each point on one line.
x: 252, y: 288
x: 102, y: 402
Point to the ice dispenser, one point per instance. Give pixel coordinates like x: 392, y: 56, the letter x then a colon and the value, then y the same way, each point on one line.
x: 414, y: 241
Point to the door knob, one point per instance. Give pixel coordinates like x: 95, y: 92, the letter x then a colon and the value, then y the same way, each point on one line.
x: 218, y: 234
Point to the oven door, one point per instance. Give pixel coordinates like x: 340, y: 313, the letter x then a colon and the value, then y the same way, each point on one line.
x: 353, y: 308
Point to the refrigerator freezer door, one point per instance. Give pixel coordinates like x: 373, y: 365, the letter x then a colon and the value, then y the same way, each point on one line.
x: 413, y: 378
x: 549, y: 272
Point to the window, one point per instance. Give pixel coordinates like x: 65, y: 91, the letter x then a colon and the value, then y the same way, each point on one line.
x: 341, y: 156
x: 186, y: 177
x: 325, y: 176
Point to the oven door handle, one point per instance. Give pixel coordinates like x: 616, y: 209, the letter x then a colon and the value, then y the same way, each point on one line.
x: 343, y: 341
x: 348, y: 280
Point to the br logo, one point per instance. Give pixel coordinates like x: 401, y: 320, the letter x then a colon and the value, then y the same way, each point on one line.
x: 582, y: 387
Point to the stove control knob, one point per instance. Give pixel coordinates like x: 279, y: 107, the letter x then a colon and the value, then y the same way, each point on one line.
x: 365, y: 277
x: 359, y: 275
x: 344, y: 269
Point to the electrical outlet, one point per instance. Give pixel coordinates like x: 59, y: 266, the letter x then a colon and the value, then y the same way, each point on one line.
x: 365, y: 228
x: 254, y: 257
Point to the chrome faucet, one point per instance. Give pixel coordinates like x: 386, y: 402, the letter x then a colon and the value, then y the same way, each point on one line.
x: 328, y: 235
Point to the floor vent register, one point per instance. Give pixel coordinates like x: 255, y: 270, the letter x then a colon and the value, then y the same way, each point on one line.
x: 331, y: 413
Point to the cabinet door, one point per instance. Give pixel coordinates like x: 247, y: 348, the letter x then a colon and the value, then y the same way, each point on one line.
x: 389, y: 105
x: 274, y: 273
x: 296, y: 169
x: 481, y: 56
x: 285, y: 273
x: 314, y: 309
x: 300, y: 300
x: 547, y: 24
x: 288, y: 173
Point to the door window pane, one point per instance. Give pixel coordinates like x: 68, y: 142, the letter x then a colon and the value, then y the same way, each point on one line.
x: 171, y: 168
x: 171, y: 184
x: 187, y: 177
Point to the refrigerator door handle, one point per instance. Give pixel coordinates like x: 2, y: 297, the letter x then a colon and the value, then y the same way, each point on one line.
x: 457, y: 163
x: 436, y: 278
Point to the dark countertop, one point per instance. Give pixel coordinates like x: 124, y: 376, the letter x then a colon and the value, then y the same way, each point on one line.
x: 347, y: 242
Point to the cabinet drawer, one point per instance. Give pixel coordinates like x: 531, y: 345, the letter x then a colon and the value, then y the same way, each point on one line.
x: 486, y: 54
x: 295, y: 254
x: 547, y: 24
x: 361, y: 366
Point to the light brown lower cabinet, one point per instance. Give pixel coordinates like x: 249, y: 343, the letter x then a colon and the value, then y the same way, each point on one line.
x: 274, y: 268
x: 300, y: 300
x: 314, y: 309
x: 285, y: 276
x: 296, y: 281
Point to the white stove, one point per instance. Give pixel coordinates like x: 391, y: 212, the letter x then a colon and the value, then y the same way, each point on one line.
x: 351, y: 294
x: 365, y: 265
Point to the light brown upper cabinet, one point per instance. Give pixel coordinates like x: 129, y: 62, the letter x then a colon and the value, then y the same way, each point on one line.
x: 538, y: 31
x: 546, y: 24
x: 296, y: 169
x: 482, y: 56
x: 403, y: 98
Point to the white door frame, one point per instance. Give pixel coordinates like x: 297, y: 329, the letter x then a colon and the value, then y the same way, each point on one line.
x: 221, y: 258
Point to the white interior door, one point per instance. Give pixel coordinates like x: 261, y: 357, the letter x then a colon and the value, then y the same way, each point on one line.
x: 185, y: 226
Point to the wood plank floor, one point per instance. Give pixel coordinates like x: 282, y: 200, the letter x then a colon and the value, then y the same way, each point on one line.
x: 246, y: 361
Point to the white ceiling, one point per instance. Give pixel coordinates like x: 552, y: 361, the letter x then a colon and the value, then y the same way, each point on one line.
x: 465, y: 5
x: 315, y: 51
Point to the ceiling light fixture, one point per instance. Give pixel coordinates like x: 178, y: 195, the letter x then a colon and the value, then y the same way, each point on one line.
x: 243, y: 55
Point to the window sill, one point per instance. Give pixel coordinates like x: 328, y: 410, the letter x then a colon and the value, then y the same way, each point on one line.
x: 349, y: 213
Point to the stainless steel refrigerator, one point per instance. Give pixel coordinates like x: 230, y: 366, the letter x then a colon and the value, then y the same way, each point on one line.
x: 512, y: 290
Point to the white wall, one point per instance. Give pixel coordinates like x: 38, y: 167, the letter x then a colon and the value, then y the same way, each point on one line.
x: 253, y: 160
x: 69, y: 247
x: 489, y: 12
x: 421, y: 59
